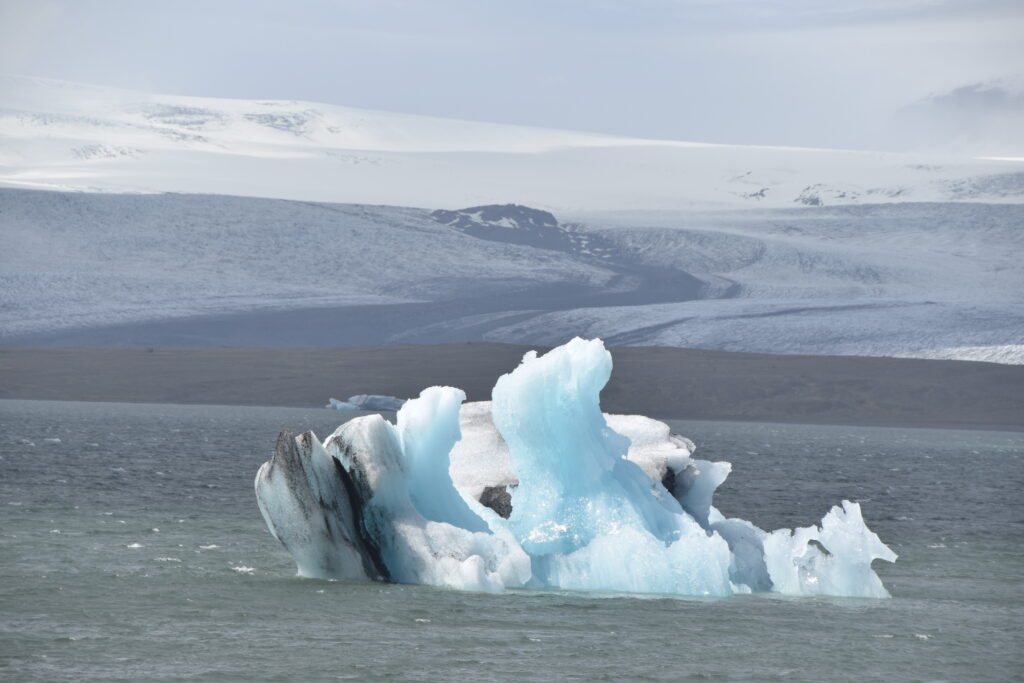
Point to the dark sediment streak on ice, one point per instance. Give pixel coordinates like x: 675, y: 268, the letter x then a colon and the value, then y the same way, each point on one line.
x: 328, y: 541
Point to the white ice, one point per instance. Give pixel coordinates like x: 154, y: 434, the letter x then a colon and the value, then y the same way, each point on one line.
x: 61, y: 135
x: 443, y: 543
x: 304, y: 507
x: 335, y: 404
x: 366, y: 402
x: 375, y: 402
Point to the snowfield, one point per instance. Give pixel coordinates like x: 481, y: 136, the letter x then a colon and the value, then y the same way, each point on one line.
x: 120, y: 226
x: 66, y: 136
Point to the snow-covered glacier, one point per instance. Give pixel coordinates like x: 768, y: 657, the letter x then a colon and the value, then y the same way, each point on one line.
x: 539, y: 489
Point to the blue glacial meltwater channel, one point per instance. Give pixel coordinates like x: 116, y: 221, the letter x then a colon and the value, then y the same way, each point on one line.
x: 132, y: 549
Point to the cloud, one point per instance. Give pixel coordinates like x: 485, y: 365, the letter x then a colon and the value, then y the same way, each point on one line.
x: 26, y: 31
x: 786, y: 72
x: 977, y: 98
x: 982, y: 119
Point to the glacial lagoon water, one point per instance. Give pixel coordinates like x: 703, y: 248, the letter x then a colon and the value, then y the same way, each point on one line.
x: 131, y: 548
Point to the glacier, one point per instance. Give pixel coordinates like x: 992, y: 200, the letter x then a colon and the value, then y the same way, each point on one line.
x: 539, y: 489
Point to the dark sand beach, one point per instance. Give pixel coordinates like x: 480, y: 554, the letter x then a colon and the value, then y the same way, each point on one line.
x: 660, y: 382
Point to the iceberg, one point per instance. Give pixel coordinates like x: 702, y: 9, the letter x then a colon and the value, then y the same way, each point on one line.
x: 538, y: 488
x: 335, y: 404
x: 366, y: 402
x: 376, y: 402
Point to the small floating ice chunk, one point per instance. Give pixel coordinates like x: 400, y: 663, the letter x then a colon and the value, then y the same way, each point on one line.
x: 376, y: 402
x: 341, y: 405
x: 242, y: 569
x: 367, y: 402
x: 840, y: 566
x: 134, y: 546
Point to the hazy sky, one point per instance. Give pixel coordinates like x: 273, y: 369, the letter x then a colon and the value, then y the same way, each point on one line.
x: 842, y: 73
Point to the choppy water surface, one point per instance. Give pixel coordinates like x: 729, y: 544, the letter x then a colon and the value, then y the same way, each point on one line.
x: 133, y: 549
